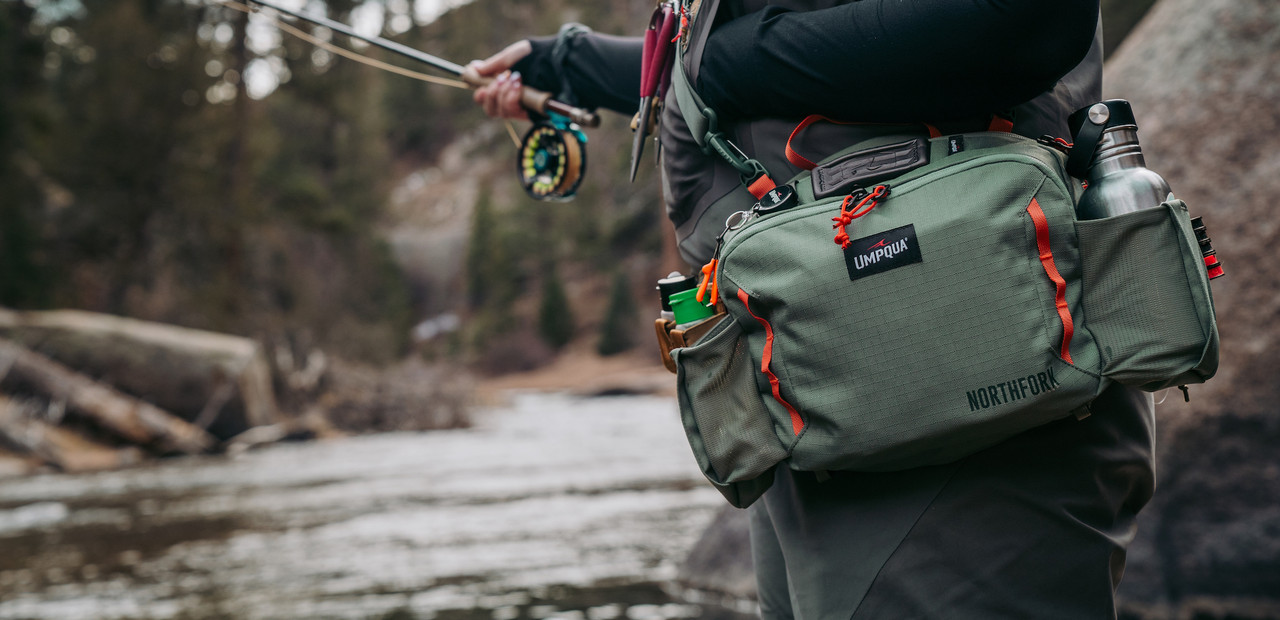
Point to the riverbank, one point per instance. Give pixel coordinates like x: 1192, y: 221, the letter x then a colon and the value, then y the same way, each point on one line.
x: 585, y: 373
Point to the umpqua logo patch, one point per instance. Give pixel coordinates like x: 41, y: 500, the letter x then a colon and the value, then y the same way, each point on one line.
x: 881, y: 252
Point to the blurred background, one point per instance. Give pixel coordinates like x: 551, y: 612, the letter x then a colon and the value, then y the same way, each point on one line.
x: 281, y: 336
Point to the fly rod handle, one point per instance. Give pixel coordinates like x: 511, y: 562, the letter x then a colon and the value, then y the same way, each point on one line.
x: 537, y: 100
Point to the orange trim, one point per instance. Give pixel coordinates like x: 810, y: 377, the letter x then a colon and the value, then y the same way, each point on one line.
x: 796, y: 159
x: 864, y: 206
x: 804, y: 163
x: 797, y: 423
x: 709, y: 283
x: 1000, y: 124
x: 1060, y: 285
x: 761, y: 186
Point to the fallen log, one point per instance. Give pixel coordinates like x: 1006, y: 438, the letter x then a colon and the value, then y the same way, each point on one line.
x: 13, y: 465
x: 134, y: 420
x: 59, y: 447
x: 219, y: 382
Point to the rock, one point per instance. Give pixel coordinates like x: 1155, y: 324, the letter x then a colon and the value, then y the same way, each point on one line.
x: 1204, y: 80
x: 721, y: 560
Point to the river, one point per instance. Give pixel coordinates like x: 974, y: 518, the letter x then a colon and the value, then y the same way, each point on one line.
x: 551, y: 506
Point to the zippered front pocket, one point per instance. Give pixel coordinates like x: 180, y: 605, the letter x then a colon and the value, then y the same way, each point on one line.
x: 955, y: 342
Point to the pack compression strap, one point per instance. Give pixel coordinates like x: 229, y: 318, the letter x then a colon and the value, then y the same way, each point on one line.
x: 998, y: 124
x: 804, y: 163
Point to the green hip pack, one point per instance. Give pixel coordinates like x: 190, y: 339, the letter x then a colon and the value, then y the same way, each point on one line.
x: 955, y: 305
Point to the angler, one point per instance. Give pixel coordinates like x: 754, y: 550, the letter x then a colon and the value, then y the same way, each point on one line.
x: 971, y: 538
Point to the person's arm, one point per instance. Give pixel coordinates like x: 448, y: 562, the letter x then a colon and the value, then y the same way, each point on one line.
x: 894, y: 60
x: 600, y: 71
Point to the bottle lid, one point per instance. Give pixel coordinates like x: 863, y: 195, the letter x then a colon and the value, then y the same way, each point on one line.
x: 1086, y: 126
x: 687, y: 307
x: 1111, y: 113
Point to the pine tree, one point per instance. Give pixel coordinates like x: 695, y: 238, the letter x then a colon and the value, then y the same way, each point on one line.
x: 555, y: 317
x: 619, y: 319
x: 22, y: 279
x: 480, y: 252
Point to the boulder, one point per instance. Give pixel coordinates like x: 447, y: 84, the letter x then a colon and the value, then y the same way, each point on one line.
x: 1204, y: 80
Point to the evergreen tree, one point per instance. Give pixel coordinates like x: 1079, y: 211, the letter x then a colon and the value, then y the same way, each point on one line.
x: 481, y: 248
x: 136, y: 169
x: 616, y: 334
x: 23, y: 282
x: 555, y: 317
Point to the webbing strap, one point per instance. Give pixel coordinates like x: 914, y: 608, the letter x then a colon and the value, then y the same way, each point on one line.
x: 804, y: 163
x: 690, y: 103
x: 797, y: 422
x: 998, y: 124
x: 1051, y: 270
x: 703, y: 124
x: 1082, y: 151
x: 796, y: 159
x: 761, y: 186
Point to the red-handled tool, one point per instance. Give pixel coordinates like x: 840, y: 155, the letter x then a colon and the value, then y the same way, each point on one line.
x: 656, y: 54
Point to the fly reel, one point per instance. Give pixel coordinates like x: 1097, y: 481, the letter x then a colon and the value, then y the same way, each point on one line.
x: 553, y: 159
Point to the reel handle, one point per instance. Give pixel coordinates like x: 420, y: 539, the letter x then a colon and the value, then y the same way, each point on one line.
x: 537, y: 100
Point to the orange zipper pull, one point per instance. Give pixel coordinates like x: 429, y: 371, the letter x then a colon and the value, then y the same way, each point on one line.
x: 709, y: 283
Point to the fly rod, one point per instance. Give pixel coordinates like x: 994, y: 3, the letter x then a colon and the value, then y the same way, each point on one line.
x: 531, y: 98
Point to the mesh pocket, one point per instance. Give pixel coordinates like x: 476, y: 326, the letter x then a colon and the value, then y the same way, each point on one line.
x: 728, y: 426
x: 1146, y: 298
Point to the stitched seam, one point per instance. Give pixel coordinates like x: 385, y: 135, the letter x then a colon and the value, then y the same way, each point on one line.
x: 898, y: 546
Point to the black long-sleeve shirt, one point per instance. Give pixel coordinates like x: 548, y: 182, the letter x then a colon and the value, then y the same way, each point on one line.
x: 871, y: 60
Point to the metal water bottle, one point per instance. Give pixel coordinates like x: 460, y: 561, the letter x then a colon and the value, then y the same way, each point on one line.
x: 1107, y: 155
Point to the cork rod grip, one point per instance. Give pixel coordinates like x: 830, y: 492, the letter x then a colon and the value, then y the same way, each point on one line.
x: 538, y: 101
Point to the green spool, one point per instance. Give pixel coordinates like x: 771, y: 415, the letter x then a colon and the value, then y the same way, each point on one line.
x: 688, y: 309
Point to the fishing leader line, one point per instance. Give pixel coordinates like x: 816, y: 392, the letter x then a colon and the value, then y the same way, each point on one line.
x: 356, y: 56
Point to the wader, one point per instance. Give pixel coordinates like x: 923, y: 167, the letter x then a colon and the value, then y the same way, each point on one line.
x: 1035, y: 527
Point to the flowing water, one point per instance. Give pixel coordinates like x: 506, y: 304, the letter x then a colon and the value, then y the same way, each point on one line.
x: 551, y: 507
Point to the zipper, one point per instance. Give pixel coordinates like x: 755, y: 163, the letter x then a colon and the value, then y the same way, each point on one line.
x: 772, y: 205
x: 1051, y: 170
x: 857, y: 204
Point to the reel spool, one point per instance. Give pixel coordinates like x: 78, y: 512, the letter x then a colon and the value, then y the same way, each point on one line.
x: 553, y: 160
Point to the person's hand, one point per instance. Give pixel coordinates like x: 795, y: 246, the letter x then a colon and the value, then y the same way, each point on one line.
x: 501, y: 98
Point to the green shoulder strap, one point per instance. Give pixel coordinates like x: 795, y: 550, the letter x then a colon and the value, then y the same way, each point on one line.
x: 704, y: 124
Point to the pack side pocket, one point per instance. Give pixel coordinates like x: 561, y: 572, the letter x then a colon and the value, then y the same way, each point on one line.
x: 1146, y: 298
x: 1202, y: 294
x: 728, y: 426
